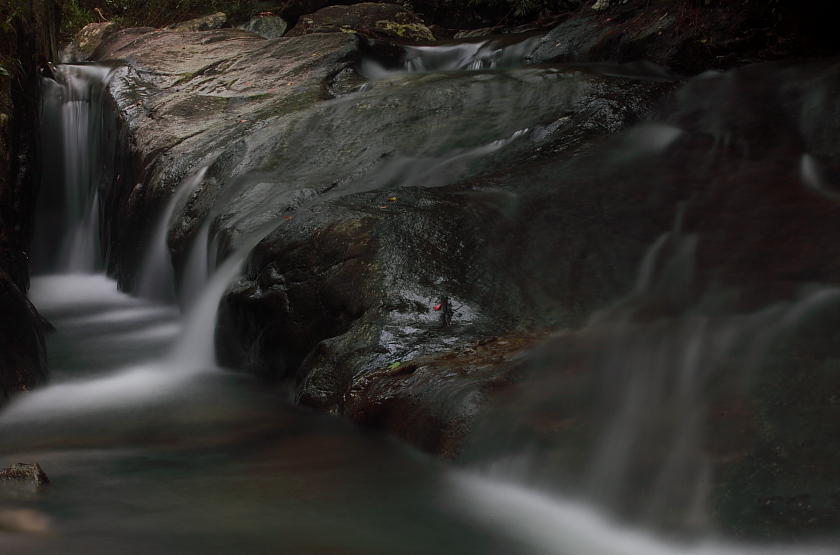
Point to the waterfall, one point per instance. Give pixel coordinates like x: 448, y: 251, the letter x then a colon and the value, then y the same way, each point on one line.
x: 67, y: 234
x: 642, y: 375
x: 157, y: 277
x: 70, y: 210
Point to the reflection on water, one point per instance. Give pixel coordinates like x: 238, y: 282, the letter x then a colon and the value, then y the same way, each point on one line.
x: 147, y: 457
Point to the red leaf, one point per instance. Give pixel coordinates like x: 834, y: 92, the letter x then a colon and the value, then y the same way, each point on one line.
x: 438, y: 306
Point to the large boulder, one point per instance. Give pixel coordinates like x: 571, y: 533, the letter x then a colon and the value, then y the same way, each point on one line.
x: 186, y: 97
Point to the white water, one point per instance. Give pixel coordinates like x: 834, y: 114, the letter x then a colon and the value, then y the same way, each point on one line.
x: 157, y: 276
x: 73, y: 121
x: 460, y: 56
x: 554, y: 526
x: 196, y: 268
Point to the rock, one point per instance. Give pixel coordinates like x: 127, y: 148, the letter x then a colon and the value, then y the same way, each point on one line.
x: 369, y: 19
x: 187, y: 97
x: 293, y: 9
x: 398, y: 237
x: 25, y: 42
x: 332, y: 292
x: 433, y: 401
x: 206, y: 23
x: 85, y: 42
x: 23, y: 363
x: 25, y: 473
x: 660, y: 33
x: 267, y: 26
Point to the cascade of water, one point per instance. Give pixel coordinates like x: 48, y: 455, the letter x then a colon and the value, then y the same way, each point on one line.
x: 157, y: 277
x: 197, y: 267
x: 655, y: 379
x: 461, y: 56
x: 552, y: 526
x: 69, y: 209
x: 195, y: 349
x: 653, y: 364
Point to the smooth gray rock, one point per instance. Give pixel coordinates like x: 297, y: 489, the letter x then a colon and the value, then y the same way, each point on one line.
x: 267, y: 26
x: 206, y: 23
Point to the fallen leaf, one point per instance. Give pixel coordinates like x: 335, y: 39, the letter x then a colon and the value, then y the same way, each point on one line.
x: 392, y: 199
x: 288, y: 217
x: 395, y: 365
x: 438, y: 306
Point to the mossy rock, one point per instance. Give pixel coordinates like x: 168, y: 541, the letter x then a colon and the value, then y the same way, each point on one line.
x: 373, y: 20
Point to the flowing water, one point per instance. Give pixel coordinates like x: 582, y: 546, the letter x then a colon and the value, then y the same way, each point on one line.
x: 153, y: 448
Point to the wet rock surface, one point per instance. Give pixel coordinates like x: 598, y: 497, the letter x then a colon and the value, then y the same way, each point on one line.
x: 399, y: 238
x: 184, y: 98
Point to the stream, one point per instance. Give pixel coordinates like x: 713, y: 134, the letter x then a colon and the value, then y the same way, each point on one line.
x: 153, y: 448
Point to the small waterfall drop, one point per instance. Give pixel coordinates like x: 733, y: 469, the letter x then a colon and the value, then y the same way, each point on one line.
x: 67, y: 236
x: 197, y: 268
x: 645, y: 376
x: 458, y: 56
x: 157, y: 277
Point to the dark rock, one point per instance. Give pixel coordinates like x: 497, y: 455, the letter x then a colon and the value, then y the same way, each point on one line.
x: 25, y: 473
x: 433, y: 401
x: 23, y: 361
x: 369, y: 19
x: 27, y: 38
x: 682, y: 36
x: 293, y: 9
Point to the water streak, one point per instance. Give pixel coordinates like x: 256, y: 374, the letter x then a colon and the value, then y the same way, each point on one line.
x: 459, y: 56
x: 157, y: 276
x: 72, y: 125
x: 552, y: 526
